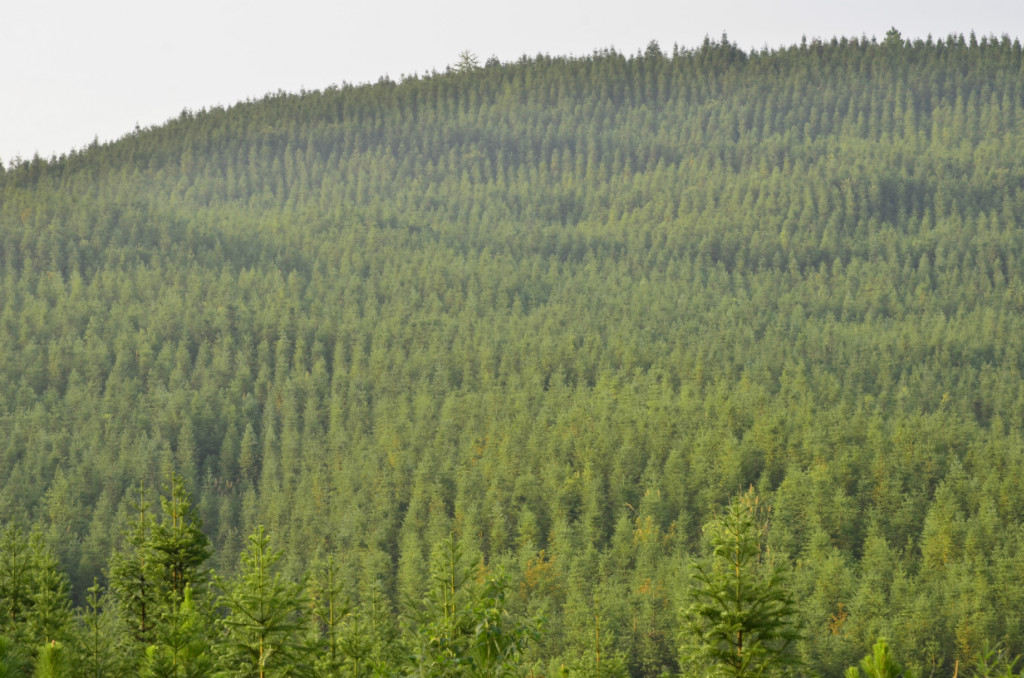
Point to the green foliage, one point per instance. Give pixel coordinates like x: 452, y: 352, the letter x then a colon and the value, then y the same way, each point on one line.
x: 182, y: 643
x: 134, y: 574
x: 49, y: 619
x: 741, y: 618
x: 333, y: 621
x: 369, y: 637
x: 563, y: 307
x: 52, y: 661
x: 468, y: 61
x: 179, y: 546
x: 13, y: 660
x: 34, y: 593
x: 264, y: 617
x: 878, y: 664
x: 994, y: 663
x: 16, y: 575
x: 463, y: 626
x: 97, y: 654
x: 158, y: 562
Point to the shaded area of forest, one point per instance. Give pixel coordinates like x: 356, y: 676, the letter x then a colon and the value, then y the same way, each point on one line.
x: 566, y: 309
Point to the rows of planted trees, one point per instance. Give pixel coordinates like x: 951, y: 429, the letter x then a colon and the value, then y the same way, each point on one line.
x: 565, y: 309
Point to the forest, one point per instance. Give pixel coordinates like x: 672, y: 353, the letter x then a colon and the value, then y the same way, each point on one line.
x: 476, y: 372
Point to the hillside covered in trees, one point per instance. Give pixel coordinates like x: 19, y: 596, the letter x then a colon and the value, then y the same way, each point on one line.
x: 566, y: 310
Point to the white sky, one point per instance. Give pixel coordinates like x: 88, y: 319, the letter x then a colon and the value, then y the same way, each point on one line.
x: 77, y: 69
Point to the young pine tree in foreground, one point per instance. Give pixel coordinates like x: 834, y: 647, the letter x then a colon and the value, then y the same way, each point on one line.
x: 264, y: 621
x: 878, y: 664
x: 740, y: 621
x: 463, y: 626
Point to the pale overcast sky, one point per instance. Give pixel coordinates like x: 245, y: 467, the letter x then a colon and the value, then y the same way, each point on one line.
x: 79, y: 69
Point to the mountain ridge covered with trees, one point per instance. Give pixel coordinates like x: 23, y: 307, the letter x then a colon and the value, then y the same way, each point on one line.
x: 567, y: 310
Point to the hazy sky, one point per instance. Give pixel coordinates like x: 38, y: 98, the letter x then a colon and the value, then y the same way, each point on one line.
x: 75, y: 69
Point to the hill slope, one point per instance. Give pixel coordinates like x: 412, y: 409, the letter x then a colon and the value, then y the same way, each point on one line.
x: 566, y: 308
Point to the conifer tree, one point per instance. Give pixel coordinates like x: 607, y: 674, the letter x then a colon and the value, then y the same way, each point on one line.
x: 96, y: 650
x: 34, y: 593
x: 15, y: 580
x: 134, y: 573
x: 52, y: 661
x: 49, y: 620
x: 331, y: 610
x: 369, y: 639
x: 263, y: 624
x: 878, y: 664
x: 13, y: 658
x: 182, y: 647
x: 178, y: 543
x: 463, y: 626
x: 740, y: 621
x: 159, y: 560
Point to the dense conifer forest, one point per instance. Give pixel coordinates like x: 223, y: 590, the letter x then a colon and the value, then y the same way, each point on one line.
x: 478, y: 373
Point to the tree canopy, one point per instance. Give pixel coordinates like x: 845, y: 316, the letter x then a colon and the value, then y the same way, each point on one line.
x: 564, y: 308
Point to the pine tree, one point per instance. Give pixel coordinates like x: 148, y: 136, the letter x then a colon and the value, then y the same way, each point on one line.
x: 740, y: 621
x: 159, y: 560
x: 15, y: 580
x: 49, y: 620
x: 34, y: 593
x: 182, y: 648
x: 878, y: 664
x: 463, y: 626
x: 134, y: 573
x: 52, y: 661
x: 95, y: 647
x: 264, y: 617
x: 369, y: 638
x: 13, y: 658
x: 331, y: 609
x: 178, y: 543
